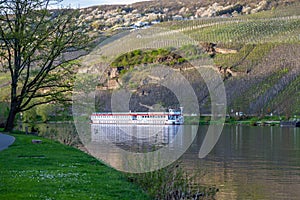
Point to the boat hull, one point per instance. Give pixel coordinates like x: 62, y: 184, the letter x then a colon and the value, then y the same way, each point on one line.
x: 137, y: 122
x: 173, y: 117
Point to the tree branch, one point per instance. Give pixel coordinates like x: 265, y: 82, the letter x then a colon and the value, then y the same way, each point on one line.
x: 44, y: 102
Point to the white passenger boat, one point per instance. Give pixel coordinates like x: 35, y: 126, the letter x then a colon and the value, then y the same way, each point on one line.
x: 172, y: 117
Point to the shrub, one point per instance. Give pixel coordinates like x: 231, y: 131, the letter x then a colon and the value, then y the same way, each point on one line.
x: 172, y: 182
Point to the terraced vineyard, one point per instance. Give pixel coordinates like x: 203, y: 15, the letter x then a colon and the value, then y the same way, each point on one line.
x: 263, y: 76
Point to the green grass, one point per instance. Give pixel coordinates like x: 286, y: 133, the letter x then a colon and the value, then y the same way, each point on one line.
x: 54, y: 171
x: 137, y: 57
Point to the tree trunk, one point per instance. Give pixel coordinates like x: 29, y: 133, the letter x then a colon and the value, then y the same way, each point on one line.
x: 11, y: 117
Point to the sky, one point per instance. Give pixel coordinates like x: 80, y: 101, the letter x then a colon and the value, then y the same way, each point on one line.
x: 87, y: 3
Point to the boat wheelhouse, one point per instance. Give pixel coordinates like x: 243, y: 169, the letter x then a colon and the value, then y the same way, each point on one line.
x: 172, y: 117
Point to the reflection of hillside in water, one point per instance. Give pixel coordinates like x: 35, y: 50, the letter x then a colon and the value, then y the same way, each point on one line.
x: 250, y: 163
x: 136, y: 138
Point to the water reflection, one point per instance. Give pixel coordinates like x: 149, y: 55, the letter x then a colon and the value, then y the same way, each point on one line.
x: 139, y: 148
x: 137, y: 138
x: 251, y: 163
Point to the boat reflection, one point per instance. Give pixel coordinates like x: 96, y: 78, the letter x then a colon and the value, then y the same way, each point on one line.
x: 130, y: 137
x: 139, y: 148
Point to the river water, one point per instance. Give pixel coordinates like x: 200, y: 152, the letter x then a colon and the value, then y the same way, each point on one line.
x: 246, y: 163
x: 251, y: 162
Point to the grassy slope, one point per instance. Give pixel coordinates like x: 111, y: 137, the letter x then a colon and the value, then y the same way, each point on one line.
x: 54, y: 171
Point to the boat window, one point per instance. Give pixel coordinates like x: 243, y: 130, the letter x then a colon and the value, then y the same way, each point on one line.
x: 171, y: 117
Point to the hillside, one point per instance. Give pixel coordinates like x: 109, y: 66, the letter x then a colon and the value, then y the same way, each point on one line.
x: 111, y: 18
x: 254, y: 45
x: 257, y: 55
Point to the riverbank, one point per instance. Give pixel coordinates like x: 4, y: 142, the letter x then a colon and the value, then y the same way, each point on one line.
x: 242, y: 120
x: 50, y: 170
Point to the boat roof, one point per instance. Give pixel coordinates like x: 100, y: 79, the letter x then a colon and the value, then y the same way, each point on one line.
x: 134, y: 113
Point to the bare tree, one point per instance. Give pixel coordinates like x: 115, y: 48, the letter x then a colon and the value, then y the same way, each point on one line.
x: 38, y: 48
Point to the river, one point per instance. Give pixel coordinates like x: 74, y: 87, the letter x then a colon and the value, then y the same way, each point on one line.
x: 246, y: 163
x: 251, y: 162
